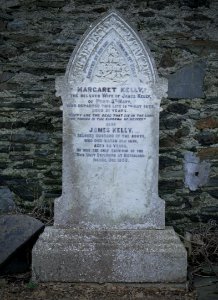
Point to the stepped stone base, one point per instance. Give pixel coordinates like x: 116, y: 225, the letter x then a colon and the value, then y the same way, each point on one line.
x: 73, y: 255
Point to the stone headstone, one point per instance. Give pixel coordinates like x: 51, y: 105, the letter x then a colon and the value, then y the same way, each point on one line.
x: 109, y: 223
x: 111, y: 99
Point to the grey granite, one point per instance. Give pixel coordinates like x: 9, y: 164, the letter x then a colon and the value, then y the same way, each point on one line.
x: 71, y: 255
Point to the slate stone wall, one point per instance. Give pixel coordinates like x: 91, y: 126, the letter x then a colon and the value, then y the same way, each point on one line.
x: 37, y: 39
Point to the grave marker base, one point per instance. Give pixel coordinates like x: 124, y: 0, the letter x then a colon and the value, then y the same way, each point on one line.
x: 72, y: 255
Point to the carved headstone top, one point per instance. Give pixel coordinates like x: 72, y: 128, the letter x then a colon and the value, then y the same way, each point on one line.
x: 111, y: 99
x: 110, y: 51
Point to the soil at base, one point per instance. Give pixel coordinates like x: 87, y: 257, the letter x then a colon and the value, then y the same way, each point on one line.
x: 20, y: 287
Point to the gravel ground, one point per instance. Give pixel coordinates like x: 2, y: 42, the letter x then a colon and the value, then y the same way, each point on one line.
x: 20, y: 288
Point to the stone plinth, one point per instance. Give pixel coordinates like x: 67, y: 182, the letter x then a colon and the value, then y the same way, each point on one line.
x: 71, y: 255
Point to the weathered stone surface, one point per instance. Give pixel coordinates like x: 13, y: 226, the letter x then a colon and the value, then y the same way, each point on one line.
x: 27, y: 190
x: 16, y: 230
x: 194, y: 3
x: 6, y: 200
x: 111, y: 114
x: 213, y: 192
x: 166, y: 161
x: 178, y: 108
x: 169, y: 142
x: 51, y: 3
x: 209, y: 122
x: 206, y: 138
x: 167, y: 186
x: 5, y: 76
x: 109, y: 256
x: 208, y: 153
x: 109, y: 205
x: 184, y: 131
x: 197, y: 46
x: 167, y: 60
x: 197, y: 17
x: 157, y: 4
x: 187, y: 82
x: 10, y: 4
x: 170, y: 123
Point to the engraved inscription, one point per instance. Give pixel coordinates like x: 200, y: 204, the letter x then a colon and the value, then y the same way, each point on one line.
x: 110, y: 122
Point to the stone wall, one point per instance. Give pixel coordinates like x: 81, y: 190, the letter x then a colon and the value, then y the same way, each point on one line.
x: 37, y: 39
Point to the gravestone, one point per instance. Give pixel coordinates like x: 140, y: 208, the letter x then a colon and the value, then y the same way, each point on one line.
x: 109, y: 222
